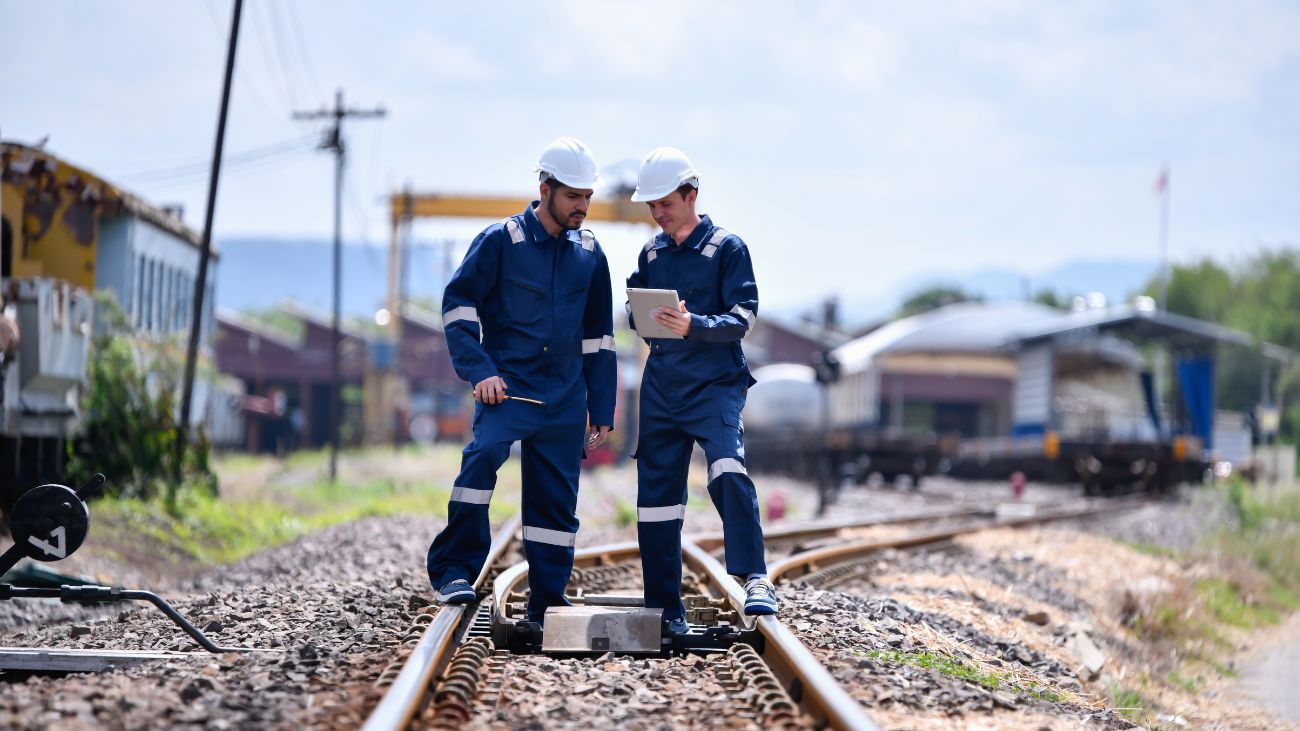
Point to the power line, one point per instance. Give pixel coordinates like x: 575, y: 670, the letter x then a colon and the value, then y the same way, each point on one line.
x: 202, y: 166
x: 303, y: 51
x: 283, y: 43
x: 258, y: 99
x: 274, y: 65
x: 243, y: 168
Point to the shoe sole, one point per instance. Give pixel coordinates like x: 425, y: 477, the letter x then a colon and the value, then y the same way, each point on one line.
x: 456, y: 597
x: 760, y: 609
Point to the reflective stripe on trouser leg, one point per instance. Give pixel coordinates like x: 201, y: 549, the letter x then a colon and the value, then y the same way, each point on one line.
x: 737, y: 503
x: 663, y: 458
x: 549, y: 464
x: 460, y: 549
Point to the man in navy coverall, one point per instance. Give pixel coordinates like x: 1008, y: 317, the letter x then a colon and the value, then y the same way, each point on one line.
x: 528, y: 318
x: 694, y: 388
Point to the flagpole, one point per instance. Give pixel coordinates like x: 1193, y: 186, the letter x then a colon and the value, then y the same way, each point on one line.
x: 1164, y: 238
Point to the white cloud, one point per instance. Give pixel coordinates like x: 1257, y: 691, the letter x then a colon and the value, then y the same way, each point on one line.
x: 433, y: 55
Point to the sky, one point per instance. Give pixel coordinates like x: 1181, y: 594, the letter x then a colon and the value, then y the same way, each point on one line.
x: 853, y: 145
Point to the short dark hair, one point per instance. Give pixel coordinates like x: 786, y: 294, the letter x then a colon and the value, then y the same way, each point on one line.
x: 554, y: 182
x: 685, y: 188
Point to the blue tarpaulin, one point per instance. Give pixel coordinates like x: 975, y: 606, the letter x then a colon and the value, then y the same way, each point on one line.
x: 1149, y: 392
x: 1196, y: 378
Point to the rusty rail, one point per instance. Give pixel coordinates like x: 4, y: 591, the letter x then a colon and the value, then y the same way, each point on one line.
x: 408, y: 692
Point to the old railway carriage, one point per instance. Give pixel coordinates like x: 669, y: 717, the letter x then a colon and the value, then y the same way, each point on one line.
x: 65, y: 234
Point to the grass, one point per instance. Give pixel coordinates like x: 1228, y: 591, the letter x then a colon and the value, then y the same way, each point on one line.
x: 1256, y: 582
x: 1266, y: 533
x: 212, y: 530
x: 1152, y: 549
x: 1131, y: 704
x: 956, y: 667
x: 1226, y: 603
x: 272, y: 508
x: 624, y: 513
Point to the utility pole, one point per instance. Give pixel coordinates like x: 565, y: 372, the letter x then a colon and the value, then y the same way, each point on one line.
x: 1162, y: 188
x: 205, y: 254
x: 334, y: 141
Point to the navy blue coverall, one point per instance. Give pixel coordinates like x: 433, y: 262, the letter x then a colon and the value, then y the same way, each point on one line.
x: 693, y: 391
x: 536, y: 310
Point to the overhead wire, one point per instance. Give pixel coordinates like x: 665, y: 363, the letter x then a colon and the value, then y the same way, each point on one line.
x: 202, y: 167
x: 232, y: 170
x: 259, y: 101
x: 273, y: 61
x: 303, y: 52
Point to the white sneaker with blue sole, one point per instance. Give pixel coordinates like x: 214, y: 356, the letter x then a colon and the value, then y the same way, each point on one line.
x: 456, y: 592
x: 760, y: 596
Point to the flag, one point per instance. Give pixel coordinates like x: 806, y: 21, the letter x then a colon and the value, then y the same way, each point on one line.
x: 1162, y: 182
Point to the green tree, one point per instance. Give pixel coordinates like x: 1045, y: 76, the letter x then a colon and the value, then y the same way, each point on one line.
x: 932, y: 298
x: 1203, y: 290
x: 1050, y: 298
x: 128, y: 430
x: 1261, y: 296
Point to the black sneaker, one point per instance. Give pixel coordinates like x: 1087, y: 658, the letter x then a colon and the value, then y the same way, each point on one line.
x: 455, y: 592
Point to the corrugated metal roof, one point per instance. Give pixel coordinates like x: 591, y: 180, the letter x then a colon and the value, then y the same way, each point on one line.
x: 993, y: 326
x: 1142, y: 322
x: 963, y: 327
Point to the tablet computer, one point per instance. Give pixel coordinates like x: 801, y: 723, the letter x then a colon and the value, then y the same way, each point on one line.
x: 644, y: 303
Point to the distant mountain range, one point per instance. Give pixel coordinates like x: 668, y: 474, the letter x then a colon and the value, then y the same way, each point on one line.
x: 257, y: 273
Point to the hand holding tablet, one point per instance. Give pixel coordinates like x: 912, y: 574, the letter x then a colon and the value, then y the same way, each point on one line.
x: 644, y: 303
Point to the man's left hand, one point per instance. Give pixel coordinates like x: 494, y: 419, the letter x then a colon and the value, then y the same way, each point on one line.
x: 679, y: 320
x: 597, y: 438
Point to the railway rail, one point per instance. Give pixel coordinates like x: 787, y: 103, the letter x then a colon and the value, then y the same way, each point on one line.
x: 461, y: 655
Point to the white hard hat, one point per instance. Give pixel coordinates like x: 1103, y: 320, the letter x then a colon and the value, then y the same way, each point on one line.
x: 570, y: 162
x: 663, y: 171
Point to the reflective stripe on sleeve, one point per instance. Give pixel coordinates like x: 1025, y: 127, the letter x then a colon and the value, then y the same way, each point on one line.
x: 593, y: 345
x: 726, y: 464
x: 460, y: 313
x: 749, y: 316
x: 552, y: 537
x: 470, y: 495
x: 661, y: 515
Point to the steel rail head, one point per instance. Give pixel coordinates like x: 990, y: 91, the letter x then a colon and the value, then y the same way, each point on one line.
x: 820, y: 690
x: 712, y: 541
x: 821, y: 558
x: 508, y: 580
x: 408, y: 690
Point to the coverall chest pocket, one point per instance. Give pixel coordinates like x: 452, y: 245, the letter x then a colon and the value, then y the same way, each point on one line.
x: 702, y: 299
x: 570, y: 305
x: 524, y: 300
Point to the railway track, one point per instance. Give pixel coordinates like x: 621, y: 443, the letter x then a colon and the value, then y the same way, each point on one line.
x: 480, y: 664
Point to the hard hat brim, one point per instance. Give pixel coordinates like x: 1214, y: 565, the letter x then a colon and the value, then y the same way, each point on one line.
x: 592, y: 184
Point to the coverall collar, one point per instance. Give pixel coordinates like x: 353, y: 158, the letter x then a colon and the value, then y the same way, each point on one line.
x: 695, y: 240
x: 539, y: 232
